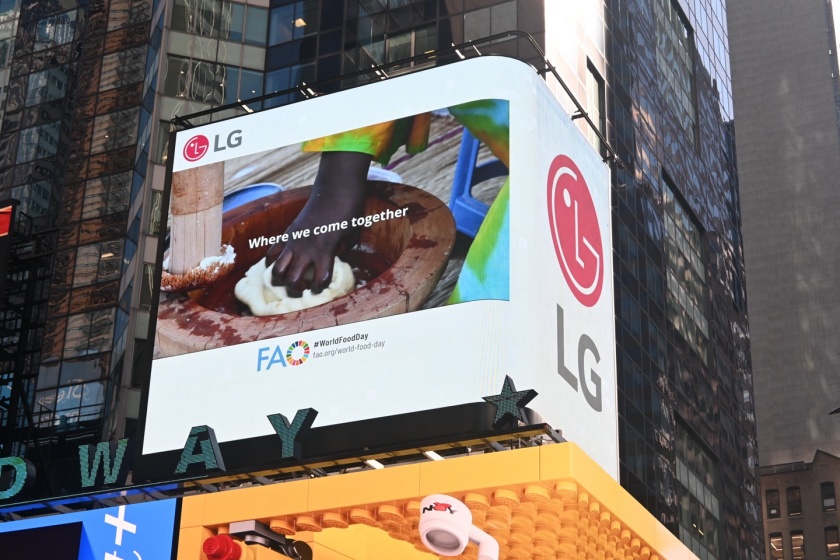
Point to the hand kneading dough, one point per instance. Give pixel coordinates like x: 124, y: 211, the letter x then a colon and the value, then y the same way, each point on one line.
x: 255, y: 290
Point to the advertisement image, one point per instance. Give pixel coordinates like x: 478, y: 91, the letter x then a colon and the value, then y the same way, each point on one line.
x: 414, y: 244
x: 332, y: 231
x: 135, y: 531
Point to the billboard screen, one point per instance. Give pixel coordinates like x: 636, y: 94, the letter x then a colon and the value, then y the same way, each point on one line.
x: 398, y: 247
x: 139, y: 531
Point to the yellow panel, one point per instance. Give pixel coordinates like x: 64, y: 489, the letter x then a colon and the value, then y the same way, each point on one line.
x: 360, y: 542
x: 489, y: 470
x: 256, y: 502
x: 190, y: 542
x: 192, y: 511
x: 551, y: 501
x: 366, y: 487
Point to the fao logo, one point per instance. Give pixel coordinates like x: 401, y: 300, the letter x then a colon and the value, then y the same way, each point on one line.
x: 196, y: 147
x: 575, y: 230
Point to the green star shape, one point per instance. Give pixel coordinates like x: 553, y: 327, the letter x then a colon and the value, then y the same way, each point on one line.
x: 509, y: 403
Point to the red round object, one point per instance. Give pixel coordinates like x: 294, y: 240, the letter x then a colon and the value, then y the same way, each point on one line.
x: 221, y: 547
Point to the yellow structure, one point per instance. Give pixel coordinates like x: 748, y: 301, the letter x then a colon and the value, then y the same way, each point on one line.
x: 539, y: 503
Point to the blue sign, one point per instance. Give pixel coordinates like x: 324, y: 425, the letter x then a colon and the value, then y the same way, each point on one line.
x: 134, y: 532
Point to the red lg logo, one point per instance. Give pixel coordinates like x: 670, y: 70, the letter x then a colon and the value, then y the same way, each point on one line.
x: 575, y: 231
x: 196, y: 147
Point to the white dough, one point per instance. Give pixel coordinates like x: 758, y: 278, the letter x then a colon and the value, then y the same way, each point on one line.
x: 255, y: 290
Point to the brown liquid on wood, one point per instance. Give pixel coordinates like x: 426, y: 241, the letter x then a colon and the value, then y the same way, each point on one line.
x: 366, y: 263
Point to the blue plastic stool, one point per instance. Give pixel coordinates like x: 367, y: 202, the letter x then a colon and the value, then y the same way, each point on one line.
x: 469, y: 212
x: 249, y: 194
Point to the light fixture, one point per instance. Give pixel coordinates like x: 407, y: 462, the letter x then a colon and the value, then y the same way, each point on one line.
x: 247, y: 109
x: 300, y: 23
x: 308, y: 90
x: 432, y: 455
x: 107, y: 255
x: 374, y: 464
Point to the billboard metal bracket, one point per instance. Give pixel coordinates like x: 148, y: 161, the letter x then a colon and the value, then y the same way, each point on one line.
x: 378, y: 72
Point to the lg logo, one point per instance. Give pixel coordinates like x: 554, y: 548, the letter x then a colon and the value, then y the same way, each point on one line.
x: 575, y: 230
x: 577, y: 242
x: 197, y: 146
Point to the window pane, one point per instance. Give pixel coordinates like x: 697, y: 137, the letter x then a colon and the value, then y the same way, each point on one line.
x: 832, y: 541
x: 797, y: 544
x: 237, y: 19
x: 794, y: 500
x: 46, y: 85
x: 773, y: 509
x: 477, y: 24
x: 503, y: 18
x: 399, y: 47
x: 146, y: 287
x: 828, y: 500
x: 227, y: 23
x: 232, y: 84
x: 425, y: 40
x: 306, y: 18
x: 777, y: 546
x: 55, y: 30
x: 5, y: 49
x: 251, y: 85
x: 106, y: 195
x: 256, y: 23
x: 38, y: 142
x: 181, y: 16
x: 282, y: 25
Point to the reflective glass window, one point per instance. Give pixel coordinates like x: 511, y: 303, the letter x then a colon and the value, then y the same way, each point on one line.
x: 106, y: 195
x: 89, y: 333
x: 233, y: 31
x: 38, y: 142
x: 489, y: 21
x: 55, y: 30
x: 98, y: 262
x: 256, y: 25
x: 293, y: 21
x: 687, y: 294
x: 675, y: 62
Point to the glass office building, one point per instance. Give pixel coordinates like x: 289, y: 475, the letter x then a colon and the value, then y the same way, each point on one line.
x: 93, y: 89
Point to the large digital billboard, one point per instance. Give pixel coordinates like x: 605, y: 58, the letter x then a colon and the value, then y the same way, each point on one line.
x: 128, y: 532
x: 337, y: 255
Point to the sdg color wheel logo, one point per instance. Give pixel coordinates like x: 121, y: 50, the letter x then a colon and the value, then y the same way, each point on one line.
x: 575, y: 230
x: 297, y: 353
x: 196, y: 147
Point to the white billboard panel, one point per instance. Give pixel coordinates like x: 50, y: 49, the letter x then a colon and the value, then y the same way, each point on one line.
x: 432, y: 320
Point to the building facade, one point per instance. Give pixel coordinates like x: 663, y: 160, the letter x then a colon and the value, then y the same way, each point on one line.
x: 789, y: 158
x: 800, y: 508
x: 786, y: 98
x: 95, y: 87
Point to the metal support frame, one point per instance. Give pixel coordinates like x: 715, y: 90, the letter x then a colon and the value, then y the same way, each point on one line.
x: 379, y: 72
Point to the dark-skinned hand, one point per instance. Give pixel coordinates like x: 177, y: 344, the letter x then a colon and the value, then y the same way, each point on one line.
x: 337, y: 195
